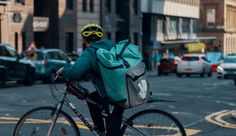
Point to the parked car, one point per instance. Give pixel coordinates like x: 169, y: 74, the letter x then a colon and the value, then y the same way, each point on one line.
x: 194, y: 64
x: 167, y: 65
x: 48, y: 61
x: 227, y: 69
x: 13, y: 67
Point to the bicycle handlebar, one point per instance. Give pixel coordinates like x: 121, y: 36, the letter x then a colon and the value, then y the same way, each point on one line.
x: 78, y: 90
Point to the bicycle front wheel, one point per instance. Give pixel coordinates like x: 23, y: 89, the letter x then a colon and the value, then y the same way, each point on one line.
x: 37, y: 122
x: 153, y: 123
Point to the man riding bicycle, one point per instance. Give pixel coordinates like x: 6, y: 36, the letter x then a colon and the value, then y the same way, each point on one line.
x: 92, y: 35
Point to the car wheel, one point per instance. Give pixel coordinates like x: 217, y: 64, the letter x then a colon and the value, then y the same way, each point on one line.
x: 159, y: 73
x: 188, y: 75
x: 2, y: 78
x: 203, y: 73
x: 29, y: 77
x: 209, y: 74
x: 179, y: 75
x: 166, y: 73
x: 235, y: 82
x: 50, y: 78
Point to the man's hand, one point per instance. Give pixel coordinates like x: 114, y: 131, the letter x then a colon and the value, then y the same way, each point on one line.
x: 59, y: 74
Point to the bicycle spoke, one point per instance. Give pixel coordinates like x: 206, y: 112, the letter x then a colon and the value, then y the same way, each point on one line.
x: 154, y: 123
x: 38, y: 121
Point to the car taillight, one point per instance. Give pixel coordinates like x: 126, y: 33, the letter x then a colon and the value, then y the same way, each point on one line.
x: 175, y: 63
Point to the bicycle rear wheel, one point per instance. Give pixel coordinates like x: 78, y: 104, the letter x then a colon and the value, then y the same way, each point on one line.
x: 153, y: 123
x: 37, y: 122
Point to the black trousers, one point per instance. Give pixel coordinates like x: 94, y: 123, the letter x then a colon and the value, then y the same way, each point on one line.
x: 113, y: 121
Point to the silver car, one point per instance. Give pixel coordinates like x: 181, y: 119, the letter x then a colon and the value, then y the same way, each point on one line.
x: 227, y: 69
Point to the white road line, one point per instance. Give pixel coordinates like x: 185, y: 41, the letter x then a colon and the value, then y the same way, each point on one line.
x: 194, y: 123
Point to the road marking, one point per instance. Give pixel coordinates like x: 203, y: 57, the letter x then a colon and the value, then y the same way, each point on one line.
x: 217, y: 119
x: 13, y: 120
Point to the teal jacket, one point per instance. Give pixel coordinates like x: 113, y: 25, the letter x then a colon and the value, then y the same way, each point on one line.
x: 87, y: 62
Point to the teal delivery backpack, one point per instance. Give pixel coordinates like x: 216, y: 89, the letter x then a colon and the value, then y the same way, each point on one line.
x: 123, y: 74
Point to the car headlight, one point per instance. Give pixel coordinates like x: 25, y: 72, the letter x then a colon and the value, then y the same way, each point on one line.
x: 220, y: 69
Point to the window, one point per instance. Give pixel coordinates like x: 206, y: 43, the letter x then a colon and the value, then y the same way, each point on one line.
x: 108, y: 6
x: 54, y: 55
x: 70, y: 4
x: 91, y: 5
x: 136, y: 38
x: 160, y: 24
x: 173, y: 25
x: 40, y: 56
x: 108, y: 35
x: 16, y: 40
x: 20, y: 1
x: 24, y: 40
x: 69, y: 39
x: 84, y: 5
x: 118, y: 7
x: 194, y: 58
x: 135, y: 6
x: 211, y: 17
x: 118, y: 36
x: 185, y: 25
x: 10, y: 51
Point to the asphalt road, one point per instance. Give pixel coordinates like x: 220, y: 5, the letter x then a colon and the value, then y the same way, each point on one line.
x: 202, y: 105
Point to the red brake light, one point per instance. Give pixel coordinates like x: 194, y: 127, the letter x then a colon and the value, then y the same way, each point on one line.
x: 175, y: 63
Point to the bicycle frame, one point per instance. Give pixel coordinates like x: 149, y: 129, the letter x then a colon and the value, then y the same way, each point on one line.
x: 93, y: 129
x: 76, y: 111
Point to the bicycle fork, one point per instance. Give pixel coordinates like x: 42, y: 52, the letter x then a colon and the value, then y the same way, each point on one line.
x: 56, y: 114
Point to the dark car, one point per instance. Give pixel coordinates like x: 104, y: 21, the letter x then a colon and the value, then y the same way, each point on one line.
x: 73, y: 56
x: 167, y: 65
x: 48, y: 61
x: 13, y: 67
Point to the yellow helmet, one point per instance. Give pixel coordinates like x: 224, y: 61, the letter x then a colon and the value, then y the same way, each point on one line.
x: 92, y: 32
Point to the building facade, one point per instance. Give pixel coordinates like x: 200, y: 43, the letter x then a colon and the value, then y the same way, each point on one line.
x: 173, y: 25
x: 55, y: 25
x: 16, y: 23
x: 88, y: 11
x: 218, y: 18
x: 121, y: 19
x: 42, y: 23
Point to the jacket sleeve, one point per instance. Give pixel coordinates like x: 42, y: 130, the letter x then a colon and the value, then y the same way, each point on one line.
x: 79, y: 68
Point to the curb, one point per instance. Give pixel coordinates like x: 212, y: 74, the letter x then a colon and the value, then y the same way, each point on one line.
x: 233, y: 115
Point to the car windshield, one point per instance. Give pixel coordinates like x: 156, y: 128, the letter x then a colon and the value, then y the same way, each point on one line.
x: 167, y: 60
x: 39, y: 56
x: 193, y: 58
x: 230, y: 60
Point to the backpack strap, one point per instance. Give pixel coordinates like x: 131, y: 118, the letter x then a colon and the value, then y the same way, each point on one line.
x: 122, y: 50
x: 119, y: 56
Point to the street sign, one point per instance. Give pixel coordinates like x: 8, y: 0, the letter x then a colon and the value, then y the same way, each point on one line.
x: 40, y: 24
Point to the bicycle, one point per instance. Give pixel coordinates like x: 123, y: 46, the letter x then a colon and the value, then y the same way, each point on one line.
x: 53, y: 121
